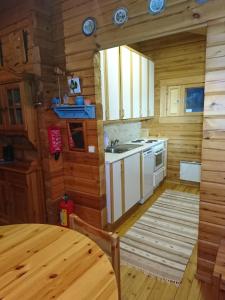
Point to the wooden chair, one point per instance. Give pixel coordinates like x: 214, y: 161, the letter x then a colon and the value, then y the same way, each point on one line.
x: 108, y: 241
x: 218, y: 278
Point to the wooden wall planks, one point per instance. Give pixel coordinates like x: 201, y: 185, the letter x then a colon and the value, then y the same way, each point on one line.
x: 70, y: 49
x: 178, y: 17
x: 212, y: 207
x: 175, y: 57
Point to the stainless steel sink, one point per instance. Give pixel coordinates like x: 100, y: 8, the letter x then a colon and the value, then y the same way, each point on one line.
x: 121, y: 148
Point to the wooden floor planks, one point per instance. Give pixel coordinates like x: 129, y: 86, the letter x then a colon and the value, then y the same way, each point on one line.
x: 137, y: 285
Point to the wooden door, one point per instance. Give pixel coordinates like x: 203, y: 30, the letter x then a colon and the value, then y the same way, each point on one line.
x: 132, y: 182
x: 136, y: 84
x: 144, y: 87
x: 126, y: 84
x: 113, y: 84
x: 174, y: 100
x: 14, y: 107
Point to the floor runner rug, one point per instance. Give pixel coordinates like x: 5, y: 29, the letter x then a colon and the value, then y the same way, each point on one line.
x: 161, y: 242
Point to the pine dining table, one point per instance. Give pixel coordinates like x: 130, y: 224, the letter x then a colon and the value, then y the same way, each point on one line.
x: 40, y: 261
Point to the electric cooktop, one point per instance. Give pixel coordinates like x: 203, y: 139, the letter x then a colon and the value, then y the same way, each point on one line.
x: 144, y: 141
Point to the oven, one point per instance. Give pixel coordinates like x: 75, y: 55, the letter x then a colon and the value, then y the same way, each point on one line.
x: 159, y: 151
x: 159, y: 170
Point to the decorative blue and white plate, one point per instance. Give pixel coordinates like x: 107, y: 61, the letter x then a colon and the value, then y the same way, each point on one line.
x: 120, y: 16
x: 201, y: 1
x: 89, y: 26
x: 156, y: 6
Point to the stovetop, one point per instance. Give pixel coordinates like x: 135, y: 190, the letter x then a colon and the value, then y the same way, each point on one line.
x: 144, y: 141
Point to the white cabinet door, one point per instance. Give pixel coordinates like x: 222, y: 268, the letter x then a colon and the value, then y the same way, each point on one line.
x: 113, y: 83
x: 136, y: 84
x: 151, y: 88
x: 144, y: 87
x: 125, y: 59
x: 113, y: 191
x: 103, y: 85
x: 132, y: 191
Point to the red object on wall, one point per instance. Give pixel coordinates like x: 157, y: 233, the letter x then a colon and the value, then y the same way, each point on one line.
x: 66, y: 207
x: 55, y: 140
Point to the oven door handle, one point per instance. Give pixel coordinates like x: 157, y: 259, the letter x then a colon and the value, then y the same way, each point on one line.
x: 160, y: 151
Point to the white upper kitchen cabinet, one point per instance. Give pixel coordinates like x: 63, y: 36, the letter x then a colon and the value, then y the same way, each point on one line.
x: 127, y: 84
x: 151, y: 86
x: 125, y: 60
x: 136, y: 86
x: 103, y: 82
x: 112, y: 84
x: 144, y: 86
x: 132, y: 190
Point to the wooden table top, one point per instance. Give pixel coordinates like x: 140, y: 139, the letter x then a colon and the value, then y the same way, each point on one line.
x: 40, y: 261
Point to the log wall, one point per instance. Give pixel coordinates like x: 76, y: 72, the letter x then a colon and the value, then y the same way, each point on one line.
x: 180, y: 15
x: 68, y: 47
x: 212, y: 207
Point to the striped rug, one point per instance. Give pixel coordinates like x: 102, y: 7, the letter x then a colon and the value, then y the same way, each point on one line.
x: 160, y: 243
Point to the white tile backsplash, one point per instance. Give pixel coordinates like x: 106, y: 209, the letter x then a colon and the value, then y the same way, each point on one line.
x: 123, y: 131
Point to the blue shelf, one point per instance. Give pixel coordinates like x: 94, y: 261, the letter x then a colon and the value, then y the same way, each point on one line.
x: 75, y: 111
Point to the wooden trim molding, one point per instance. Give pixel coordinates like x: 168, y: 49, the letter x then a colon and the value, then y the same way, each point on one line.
x: 132, y: 120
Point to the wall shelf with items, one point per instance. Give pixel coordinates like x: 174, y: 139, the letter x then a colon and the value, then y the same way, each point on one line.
x: 75, y: 111
x: 77, y: 135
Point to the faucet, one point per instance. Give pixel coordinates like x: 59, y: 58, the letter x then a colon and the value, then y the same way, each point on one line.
x: 114, y: 142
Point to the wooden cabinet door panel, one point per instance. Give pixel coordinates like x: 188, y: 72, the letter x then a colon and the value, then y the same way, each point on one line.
x: 4, y: 203
x: 18, y: 204
x: 14, y: 109
x: 174, y: 99
x: 132, y: 184
x: 2, y: 110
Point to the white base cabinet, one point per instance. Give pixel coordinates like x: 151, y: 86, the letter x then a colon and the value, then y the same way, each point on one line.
x: 122, y: 186
x: 132, y: 189
x: 113, y: 191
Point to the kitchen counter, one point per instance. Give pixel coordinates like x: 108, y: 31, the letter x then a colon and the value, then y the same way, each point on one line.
x: 113, y: 157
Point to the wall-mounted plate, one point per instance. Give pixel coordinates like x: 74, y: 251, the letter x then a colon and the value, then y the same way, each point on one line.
x: 89, y: 26
x: 156, y: 6
x: 201, y: 1
x: 120, y: 16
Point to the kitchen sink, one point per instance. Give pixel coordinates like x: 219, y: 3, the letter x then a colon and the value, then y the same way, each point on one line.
x: 121, y: 148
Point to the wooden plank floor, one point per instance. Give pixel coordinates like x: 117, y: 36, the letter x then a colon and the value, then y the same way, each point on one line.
x: 137, y: 285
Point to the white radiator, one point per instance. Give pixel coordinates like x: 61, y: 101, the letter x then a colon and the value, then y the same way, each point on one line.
x: 190, y: 171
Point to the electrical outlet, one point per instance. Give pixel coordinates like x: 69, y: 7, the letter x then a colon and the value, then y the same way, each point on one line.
x: 91, y: 149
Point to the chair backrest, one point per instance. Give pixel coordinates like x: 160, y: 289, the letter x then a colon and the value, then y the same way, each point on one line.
x: 109, y: 242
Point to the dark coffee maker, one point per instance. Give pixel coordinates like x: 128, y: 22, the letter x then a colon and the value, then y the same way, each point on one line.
x: 8, y: 153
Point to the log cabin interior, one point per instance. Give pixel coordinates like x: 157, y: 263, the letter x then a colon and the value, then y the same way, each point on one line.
x: 149, y: 128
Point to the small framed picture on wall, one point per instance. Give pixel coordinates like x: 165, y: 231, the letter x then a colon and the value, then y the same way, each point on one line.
x: 74, y: 85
